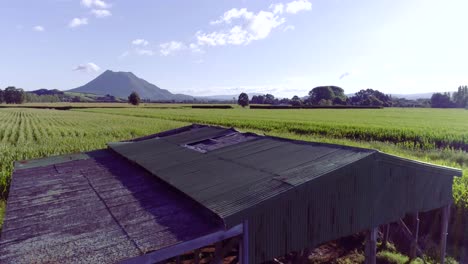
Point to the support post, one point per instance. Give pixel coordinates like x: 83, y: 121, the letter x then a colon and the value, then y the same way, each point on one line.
x: 218, y: 256
x: 386, y: 235
x: 196, y: 256
x: 371, y: 246
x: 443, y: 232
x: 414, y: 243
x: 244, y: 244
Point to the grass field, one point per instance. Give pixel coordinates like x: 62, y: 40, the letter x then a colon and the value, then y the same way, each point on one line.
x: 433, y: 135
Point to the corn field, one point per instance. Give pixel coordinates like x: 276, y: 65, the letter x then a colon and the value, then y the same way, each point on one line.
x: 32, y: 133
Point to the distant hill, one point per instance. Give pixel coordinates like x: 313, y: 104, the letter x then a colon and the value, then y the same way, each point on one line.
x: 44, y: 91
x: 414, y: 96
x: 121, y: 84
x: 223, y: 97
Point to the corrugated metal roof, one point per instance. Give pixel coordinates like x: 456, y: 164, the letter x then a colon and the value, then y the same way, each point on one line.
x: 294, y: 194
x: 236, y: 177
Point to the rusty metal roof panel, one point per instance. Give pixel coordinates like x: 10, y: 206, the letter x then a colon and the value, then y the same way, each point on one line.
x: 94, y: 208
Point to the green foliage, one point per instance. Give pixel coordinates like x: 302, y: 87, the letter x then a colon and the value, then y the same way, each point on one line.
x: 391, y: 257
x: 34, y: 98
x: 321, y: 93
x: 370, y: 97
x: 296, y: 101
x: 439, y: 100
x: 13, y: 95
x: 134, y: 98
x: 2, y: 98
x: 460, y: 97
x: 243, y: 100
x: 325, y: 95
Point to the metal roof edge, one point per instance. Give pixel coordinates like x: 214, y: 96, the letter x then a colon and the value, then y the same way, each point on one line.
x: 450, y: 171
x: 56, y: 159
x: 322, y: 144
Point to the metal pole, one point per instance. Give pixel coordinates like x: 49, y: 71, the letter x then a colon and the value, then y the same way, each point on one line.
x: 371, y: 246
x: 387, y: 233
x: 414, y: 243
x: 443, y: 232
x: 196, y: 256
x: 244, y: 246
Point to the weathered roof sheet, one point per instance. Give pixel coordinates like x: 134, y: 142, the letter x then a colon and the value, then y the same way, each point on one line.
x: 235, y: 177
x: 94, y: 208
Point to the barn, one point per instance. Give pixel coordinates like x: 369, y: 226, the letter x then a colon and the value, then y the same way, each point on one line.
x: 155, y: 198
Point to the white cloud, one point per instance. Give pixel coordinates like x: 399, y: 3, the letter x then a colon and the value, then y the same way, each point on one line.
x: 169, y: 47
x: 195, y: 48
x: 124, y: 54
x: 234, y: 13
x: 95, y: 3
x: 240, y: 26
x: 39, y: 28
x: 100, y: 13
x: 344, y: 75
x: 263, y: 23
x: 146, y: 52
x: 255, y: 27
x: 88, y: 67
x: 76, y: 22
x: 298, y: 5
x: 140, y: 42
x: 277, y: 8
x: 289, y: 27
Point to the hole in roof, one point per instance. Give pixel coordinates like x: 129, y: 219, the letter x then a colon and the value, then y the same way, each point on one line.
x: 218, y: 142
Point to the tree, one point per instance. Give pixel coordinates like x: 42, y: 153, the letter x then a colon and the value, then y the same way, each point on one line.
x: 327, y: 93
x: 370, y: 97
x: 269, y: 99
x: 134, y: 98
x: 338, y: 101
x: 439, y: 100
x: 296, y: 101
x: 460, y: 97
x: 258, y: 99
x: 12, y: 95
x: 320, y: 93
x: 1, y: 96
x: 243, y: 100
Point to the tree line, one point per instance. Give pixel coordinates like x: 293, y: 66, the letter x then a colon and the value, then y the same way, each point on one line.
x: 334, y: 95
x: 324, y: 96
x: 458, y: 99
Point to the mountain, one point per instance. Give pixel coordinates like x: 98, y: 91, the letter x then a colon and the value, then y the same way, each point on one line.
x: 121, y: 84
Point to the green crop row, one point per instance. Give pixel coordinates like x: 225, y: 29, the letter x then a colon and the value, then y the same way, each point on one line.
x: 32, y: 133
x: 411, y: 128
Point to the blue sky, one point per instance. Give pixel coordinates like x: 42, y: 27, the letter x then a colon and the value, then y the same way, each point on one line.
x: 225, y: 47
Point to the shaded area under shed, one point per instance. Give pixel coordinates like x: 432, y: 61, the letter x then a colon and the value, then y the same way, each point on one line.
x: 151, y: 198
